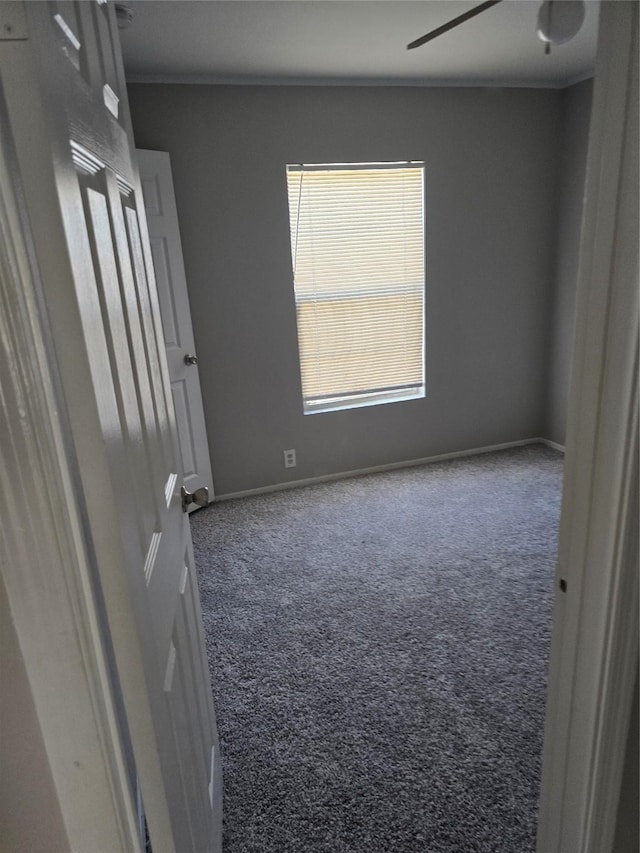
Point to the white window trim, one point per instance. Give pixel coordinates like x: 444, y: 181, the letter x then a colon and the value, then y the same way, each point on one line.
x: 357, y: 398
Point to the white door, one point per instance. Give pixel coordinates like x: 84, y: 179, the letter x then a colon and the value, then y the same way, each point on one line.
x: 166, y: 248
x: 65, y: 96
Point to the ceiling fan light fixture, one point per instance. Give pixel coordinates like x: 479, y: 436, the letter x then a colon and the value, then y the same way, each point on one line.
x: 560, y: 20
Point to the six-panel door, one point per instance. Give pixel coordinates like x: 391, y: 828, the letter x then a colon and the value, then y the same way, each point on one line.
x: 130, y: 464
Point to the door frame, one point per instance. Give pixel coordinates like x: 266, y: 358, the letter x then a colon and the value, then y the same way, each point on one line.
x: 49, y: 570
x: 594, y: 652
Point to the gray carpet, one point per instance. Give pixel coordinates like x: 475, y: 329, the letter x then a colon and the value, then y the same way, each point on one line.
x: 378, y: 649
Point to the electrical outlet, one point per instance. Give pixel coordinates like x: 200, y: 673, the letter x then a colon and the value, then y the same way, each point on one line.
x: 289, y: 458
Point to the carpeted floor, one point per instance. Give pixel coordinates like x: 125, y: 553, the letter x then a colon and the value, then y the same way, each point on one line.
x: 378, y: 648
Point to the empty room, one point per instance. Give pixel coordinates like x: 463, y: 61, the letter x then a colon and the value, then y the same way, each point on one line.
x: 379, y: 646
x: 336, y: 304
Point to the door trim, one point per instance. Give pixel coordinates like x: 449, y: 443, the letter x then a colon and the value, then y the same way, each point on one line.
x: 47, y: 560
x: 594, y: 655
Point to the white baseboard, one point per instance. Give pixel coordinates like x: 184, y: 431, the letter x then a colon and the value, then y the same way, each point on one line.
x: 552, y: 444
x: 376, y: 469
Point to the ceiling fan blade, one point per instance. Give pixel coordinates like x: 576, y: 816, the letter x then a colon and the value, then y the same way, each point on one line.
x: 454, y: 22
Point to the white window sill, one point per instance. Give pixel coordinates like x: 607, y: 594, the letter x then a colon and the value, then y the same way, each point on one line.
x: 362, y: 400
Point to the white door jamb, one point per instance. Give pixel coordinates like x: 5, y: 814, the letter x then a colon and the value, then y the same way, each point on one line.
x: 594, y: 656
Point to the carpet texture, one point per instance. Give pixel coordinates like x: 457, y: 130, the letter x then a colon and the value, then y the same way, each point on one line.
x: 378, y: 650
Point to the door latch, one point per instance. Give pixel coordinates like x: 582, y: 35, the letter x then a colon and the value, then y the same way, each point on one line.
x: 200, y: 497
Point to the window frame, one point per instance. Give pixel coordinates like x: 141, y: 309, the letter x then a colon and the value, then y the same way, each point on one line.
x: 358, y: 398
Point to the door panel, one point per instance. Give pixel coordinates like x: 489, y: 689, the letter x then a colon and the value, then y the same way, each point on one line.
x: 105, y: 322
x: 183, y: 422
x: 167, y: 308
x: 162, y: 216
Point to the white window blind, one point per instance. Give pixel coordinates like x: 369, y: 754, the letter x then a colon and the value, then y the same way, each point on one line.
x: 357, y: 244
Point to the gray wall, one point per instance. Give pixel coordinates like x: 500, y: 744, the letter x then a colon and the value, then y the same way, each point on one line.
x: 492, y: 157
x: 30, y: 817
x: 576, y: 111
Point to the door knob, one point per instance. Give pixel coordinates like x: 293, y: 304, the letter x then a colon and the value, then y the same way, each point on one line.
x: 190, y: 359
x: 199, y: 497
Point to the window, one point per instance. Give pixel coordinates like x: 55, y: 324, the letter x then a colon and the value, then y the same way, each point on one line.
x: 357, y: 245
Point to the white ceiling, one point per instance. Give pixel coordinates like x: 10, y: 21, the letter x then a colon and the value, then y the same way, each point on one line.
x: 349, y: 42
